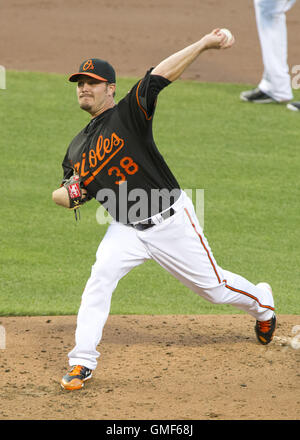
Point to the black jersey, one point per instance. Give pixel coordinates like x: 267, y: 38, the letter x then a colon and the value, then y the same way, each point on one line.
x: 117, y: 158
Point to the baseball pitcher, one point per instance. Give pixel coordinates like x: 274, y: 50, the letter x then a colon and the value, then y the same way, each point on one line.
x: 115, y: 160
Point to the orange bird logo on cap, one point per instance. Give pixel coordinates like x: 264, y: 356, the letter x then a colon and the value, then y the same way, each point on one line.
x: 88, y: 65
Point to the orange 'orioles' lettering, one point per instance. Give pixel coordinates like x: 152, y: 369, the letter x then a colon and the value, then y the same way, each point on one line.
x: 107, y: 146
x: 92, y: 158
x: 105, y: 150
x: 76, y: 167
x: 82, y: 172
x: 99, y: 148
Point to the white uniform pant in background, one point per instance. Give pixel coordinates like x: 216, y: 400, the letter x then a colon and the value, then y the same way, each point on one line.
x: 178, y: 245
x: 272, y: 31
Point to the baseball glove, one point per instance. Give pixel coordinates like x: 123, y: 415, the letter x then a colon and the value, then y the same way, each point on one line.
x: 76, y: 196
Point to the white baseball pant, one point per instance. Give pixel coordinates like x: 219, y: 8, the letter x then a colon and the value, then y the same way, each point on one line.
x: 178, y: 245
x: 272, y: 31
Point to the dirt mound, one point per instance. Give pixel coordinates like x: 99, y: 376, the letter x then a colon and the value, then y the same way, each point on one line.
x: 152, y: 368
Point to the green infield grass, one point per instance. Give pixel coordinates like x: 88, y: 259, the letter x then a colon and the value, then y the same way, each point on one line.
x: 244, y: 156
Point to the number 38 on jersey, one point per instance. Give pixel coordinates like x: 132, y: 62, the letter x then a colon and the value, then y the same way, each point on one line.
x: 127, y: 165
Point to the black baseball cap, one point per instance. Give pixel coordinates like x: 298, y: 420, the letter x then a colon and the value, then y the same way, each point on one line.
x: 95, y: 68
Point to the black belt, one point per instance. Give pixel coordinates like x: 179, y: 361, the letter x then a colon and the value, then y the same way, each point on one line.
x: 149, y: 223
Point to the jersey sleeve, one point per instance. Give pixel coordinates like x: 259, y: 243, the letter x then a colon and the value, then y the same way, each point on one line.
x: 67, y: 168
x: 140, y: 102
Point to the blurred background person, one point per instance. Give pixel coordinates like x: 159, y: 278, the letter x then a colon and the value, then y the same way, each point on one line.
x: 295, y: 106
x: 275, y: 85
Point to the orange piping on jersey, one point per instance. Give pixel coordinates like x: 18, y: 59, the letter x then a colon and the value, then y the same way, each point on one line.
x: 249, y: 295
x: 137, y: 98
x: 206, y: 250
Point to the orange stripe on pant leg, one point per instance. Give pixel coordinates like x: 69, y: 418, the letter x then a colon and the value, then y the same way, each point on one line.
x: 249, y: 295
x: 202, y: 242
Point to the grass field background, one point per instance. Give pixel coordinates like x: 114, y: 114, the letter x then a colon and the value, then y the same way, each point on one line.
x: 245, y: 157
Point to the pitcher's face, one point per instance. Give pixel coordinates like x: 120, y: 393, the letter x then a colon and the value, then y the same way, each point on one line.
x: 93, y: 95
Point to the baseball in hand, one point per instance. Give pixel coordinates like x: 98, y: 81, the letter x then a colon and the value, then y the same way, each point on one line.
x: 228, y: 34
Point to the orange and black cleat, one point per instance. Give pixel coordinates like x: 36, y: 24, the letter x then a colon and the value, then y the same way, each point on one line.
x: 265, y: 330
x: 74, y: 380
